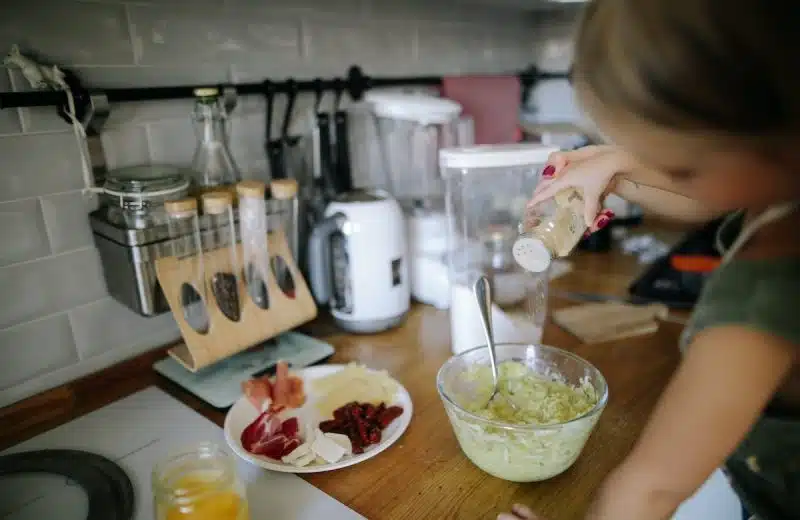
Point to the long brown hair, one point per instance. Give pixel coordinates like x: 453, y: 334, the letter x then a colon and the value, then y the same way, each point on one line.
x: 724, y: 66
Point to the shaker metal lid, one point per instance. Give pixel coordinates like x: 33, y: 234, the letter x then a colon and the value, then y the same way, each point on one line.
x: 251, y: 188
x: 496, y: 156
x: 216, y: 202
x: 143, y: 181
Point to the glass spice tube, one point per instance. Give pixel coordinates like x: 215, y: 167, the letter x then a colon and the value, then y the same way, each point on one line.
x: 183, y: 225
x: 224, y: 267
x: 284, y: 196
x: 200, y: 483
x: 253, y: 230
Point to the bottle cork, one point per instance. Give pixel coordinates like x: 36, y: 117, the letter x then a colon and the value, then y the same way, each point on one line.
x: 206, y: 92
x: 176, y: 207
x: 251, y: 189
x: 283, y: 189
x: 216, y: 202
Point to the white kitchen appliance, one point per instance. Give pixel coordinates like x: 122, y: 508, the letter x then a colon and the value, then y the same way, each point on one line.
x: 132, y: 435
x: 411, y: 128
x: 358, y: 261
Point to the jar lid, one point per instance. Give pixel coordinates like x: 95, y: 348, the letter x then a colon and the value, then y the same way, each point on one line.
x: 531, y: 254
x: 496, y: 155
x: 216, y: 202
x: 283, y: 189
x: 176, y: 207
x: 144, y: 181
x: 251, y: 189
x: 206, y: 92
x: 419, y: 108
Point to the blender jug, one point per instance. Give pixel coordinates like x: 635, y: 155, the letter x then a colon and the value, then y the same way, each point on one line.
x: 411, y: 129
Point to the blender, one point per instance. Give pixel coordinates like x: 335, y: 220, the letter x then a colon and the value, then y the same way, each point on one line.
x: 411, y: 128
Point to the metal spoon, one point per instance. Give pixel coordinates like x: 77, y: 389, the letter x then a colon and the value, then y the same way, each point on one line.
x: 483, y: 295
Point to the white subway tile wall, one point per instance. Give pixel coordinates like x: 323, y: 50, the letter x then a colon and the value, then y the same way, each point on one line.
x: 57, y: 321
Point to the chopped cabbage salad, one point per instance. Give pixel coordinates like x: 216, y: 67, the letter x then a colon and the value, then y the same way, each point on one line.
x: 523, y: 454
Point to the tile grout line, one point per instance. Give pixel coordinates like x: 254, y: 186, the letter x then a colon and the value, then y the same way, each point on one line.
x: 48, y: 257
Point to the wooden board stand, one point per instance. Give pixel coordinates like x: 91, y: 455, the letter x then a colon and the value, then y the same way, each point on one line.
x: 225, y: 337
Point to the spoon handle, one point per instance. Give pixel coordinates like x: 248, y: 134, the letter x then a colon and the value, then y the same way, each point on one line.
x: 483, y: 295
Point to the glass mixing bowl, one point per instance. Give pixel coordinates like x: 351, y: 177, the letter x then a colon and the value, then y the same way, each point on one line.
x: 519, y: 453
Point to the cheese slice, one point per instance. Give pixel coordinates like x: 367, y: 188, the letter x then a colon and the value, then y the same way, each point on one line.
x: 327, y: 448
x: 297, y: 453
x: 341, y: 440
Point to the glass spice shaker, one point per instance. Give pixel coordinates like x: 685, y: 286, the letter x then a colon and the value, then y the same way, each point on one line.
x: 253, y: 230
x: 224, y: 266
x: 183, y: 224
x: 550, y: 230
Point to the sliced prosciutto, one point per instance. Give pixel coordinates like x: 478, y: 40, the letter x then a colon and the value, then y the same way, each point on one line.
x: 270, y: 437
x: 286, y: 391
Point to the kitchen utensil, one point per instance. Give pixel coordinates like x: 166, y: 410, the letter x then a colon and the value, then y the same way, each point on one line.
x: 273, y: 147
x: 493, y: 103
x: 519, y: 452
x: 213, y: 167
x: 343, y: 178
x: 134, y: 197
x: 608, y: 321
x: 483, y: 296
x: 487, y: 188
x: 243, y: 413
x: 358, y: 261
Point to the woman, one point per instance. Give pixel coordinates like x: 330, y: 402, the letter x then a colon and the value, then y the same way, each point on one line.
x: 702, y: 101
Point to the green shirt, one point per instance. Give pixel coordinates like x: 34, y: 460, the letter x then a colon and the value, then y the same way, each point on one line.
x: 763, y: 295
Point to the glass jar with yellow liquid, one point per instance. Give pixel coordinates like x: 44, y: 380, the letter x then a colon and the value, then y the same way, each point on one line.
x: 199, y: 484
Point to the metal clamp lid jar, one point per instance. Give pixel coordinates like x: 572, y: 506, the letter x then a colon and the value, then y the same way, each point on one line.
x: 135, y: 195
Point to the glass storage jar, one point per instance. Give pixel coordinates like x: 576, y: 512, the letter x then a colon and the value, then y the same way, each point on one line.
x: 199, y: 484
x: 134, y: 197
x: 486, y: 189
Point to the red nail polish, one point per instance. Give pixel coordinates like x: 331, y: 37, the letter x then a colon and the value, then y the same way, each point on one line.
x: 587, y: 234
x: 549, y: 171
x: 603, y: 222
x: 609, y: 213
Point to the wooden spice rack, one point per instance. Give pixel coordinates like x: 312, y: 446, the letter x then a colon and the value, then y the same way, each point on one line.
x: 225, y: 337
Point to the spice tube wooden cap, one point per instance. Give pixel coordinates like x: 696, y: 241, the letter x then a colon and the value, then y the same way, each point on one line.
x: 176, y: 207
x: 216, y: 202
x: 251, y: 189
x: 283, y: 189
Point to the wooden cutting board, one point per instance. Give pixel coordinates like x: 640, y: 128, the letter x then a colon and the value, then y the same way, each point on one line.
x: 607, y: 321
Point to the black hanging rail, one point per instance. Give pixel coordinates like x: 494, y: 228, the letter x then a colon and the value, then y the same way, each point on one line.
x: 355, y: 84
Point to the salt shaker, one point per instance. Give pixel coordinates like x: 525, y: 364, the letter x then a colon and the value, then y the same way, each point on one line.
x: 550, y: 230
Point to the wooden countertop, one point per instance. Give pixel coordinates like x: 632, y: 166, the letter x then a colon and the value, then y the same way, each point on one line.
x: 425, y: 475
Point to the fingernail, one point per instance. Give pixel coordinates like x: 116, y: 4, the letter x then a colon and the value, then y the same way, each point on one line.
x: 549, y: 171
x: 609, y: 213
x: 587, y: 234
x: 603, y: 222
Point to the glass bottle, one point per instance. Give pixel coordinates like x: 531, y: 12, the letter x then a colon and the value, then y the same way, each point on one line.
x: 213, y: 167
x: 223, y: 260
x: 550, y: 230
x: 253, y: 229
x: 284, y: 199
x: 183, y: 225
x: 199, y: 484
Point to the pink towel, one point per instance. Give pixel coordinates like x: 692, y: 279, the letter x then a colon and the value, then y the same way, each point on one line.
x: 492, y: 101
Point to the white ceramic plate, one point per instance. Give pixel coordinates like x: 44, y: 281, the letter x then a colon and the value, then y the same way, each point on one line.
x: 243, y: 413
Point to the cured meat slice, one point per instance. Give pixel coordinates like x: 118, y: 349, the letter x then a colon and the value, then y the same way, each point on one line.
x: 270, y: 437
x: 258, y: 392
x: 286, y: 391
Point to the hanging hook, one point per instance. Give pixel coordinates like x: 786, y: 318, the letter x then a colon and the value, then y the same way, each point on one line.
x: 269, y: 94
x: 291, y: 93
x: 338, y: 89
x: 318, y: 92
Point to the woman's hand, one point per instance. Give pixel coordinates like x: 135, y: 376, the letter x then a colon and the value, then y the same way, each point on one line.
x: 519, y: 512
x: 592, y: 169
